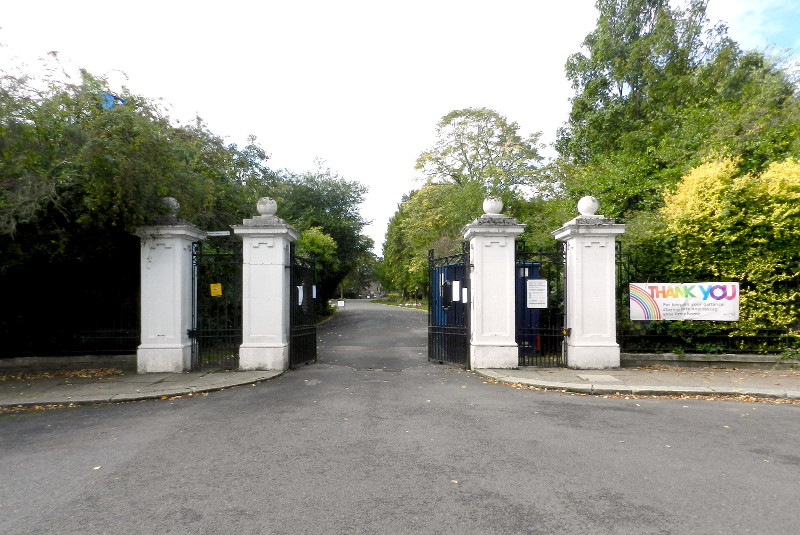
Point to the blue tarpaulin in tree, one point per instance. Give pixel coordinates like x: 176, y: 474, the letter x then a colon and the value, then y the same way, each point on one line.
x: 108, y: 101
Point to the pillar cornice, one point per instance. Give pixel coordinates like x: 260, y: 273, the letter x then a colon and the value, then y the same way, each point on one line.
x: 254, y: 231
x: 180, y: 230
x: 588, y: 225
x: 492, y: 225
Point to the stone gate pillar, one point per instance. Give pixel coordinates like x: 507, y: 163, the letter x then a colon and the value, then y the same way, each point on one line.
x: 265, y: 289
x: 591, y: 318
x: 492, y: 313
x: 166, y: 293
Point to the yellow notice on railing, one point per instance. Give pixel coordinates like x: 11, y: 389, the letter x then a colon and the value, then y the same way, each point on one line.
x: 216, y: 290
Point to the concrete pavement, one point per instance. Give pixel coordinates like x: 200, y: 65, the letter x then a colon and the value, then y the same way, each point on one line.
x: 657, y: 381
x: 129, y: 386
x: 55, y: 390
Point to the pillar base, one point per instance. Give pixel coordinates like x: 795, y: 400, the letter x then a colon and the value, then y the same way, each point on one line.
x: 593, y: 357
x: 163, y: 359
x: 493, y: 356
x: 261, y: 357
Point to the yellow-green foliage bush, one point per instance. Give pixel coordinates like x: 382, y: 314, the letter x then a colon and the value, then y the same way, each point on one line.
x: 742, y: 229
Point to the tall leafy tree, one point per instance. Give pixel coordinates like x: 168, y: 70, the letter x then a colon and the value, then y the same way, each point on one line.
x: 396, y: 270
x: 76, y: 178
x: 478, y: 145
x: 329, y: 203
x: 638, y: 57
x: 97, y: 166
x: 477, y: 153
x: 361, y: 276
x: 659, y: 89
x: 429, y: 218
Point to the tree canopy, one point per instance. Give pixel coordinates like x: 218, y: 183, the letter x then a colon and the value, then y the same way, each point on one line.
x: 324, y: 201
x: 429, y: 218
x: 477, y: 153
x: 81, y: 169
x: 657, y: 91
x: 723, y: 225
x: 693, y: 142
x: 478, y: 145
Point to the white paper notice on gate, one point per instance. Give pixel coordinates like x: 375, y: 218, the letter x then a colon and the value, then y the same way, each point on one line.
x: 707, y: 301
x: 536, y: 292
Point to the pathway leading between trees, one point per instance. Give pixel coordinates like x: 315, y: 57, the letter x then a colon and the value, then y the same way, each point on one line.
x: 365, y: 335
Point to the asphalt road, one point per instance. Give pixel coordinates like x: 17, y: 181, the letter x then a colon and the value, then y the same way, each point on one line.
x: 374, y: 439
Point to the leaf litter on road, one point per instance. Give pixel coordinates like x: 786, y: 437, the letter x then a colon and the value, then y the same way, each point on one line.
x: 745, y: 398
x: 68, y: 374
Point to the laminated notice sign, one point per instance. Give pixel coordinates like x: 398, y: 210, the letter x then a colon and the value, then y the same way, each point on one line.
x: 709, y: 301
x: 536, y: 293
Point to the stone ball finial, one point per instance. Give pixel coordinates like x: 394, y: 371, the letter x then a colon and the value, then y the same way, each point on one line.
x: 493, y: 205
x: 267, y: 206
x: 588, y: 206
x: 172, y: 205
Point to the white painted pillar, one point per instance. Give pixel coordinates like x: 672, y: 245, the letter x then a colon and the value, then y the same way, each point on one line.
x: 492, y: 313
x: 591, y: 294
x: 166, y: 294
x: 265, y: 289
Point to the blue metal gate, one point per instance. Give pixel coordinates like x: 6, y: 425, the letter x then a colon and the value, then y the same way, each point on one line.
x: 448, y: 309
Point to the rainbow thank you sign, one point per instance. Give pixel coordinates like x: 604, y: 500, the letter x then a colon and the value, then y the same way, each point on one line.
x: 710, y: 301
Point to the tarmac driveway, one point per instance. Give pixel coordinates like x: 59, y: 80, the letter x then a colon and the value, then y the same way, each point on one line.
x: 374, y: 439
x: 366, y: 336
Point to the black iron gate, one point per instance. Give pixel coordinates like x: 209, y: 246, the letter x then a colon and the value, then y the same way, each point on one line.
x: 302, y: 311
x: 448, y: 309
x: 216, y: 332
x: 540, y: 298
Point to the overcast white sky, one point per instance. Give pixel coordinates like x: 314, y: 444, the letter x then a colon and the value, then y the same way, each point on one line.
x: 357, y: 83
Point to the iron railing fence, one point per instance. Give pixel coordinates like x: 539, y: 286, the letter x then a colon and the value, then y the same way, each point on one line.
x: 719, y: 340
x: 90, y: 314
x: 101, y: 338
x: 302, y: 310
x: 707, y: 337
